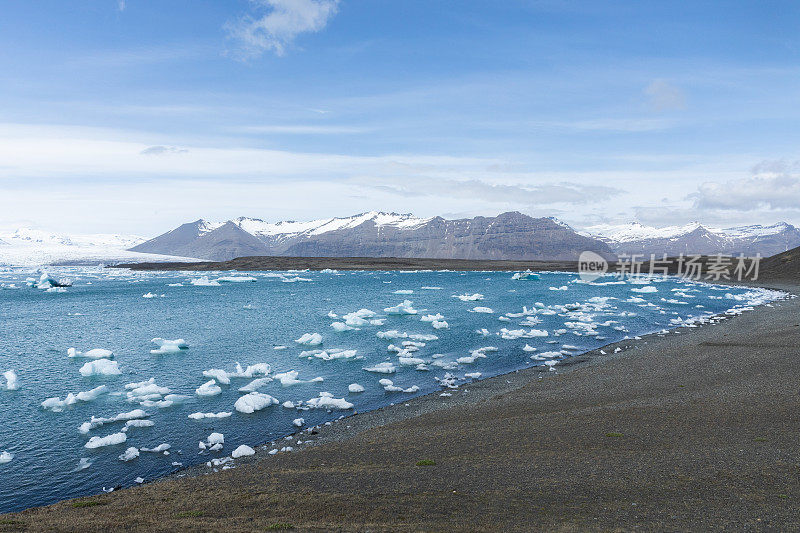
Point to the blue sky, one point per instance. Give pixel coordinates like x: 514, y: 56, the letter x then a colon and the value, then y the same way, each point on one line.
x: 136, y: 116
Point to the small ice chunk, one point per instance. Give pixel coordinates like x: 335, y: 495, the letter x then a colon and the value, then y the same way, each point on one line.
x: 218, y: 374
x: 403, y: 308
x: 158, y: 449
x: 482, y: 310
x: 6, y: 457
x: 100, y: 367
x: 108, y: 440
x: 166, y: 346
x: 200, y: 416
x: 94, y: 353
x: 355, y: 387
x: 469, y: 297
x: 204, y: 282
x: 209, y: 388
x: 327, y: 401
x: 129, y: 455
x: 310, y: 339
x: 12, y: 382
x: 255, y: 401
x: 382, y: 368
x: 242, y: 451
x: 299, y: 422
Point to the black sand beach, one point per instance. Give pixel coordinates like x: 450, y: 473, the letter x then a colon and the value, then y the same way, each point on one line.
x: 695, y: 430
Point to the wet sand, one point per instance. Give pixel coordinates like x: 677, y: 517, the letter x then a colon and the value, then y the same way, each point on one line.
x: 695, y: 430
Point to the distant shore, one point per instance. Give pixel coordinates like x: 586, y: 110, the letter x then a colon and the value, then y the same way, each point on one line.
x: 693, y: 430
x: 357, y: 263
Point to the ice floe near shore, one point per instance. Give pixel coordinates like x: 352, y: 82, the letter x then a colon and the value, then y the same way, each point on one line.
x: 254, y: 401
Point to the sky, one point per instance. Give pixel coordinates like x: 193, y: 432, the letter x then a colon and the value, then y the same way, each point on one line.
x: 134, y: 116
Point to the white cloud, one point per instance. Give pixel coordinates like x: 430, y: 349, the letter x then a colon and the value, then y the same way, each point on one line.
x: 276, y: 30
x: 160, y: 149
x: 769, y: 191
x: 664, y: 96
x: 516, y: 194
x: 121, y: 5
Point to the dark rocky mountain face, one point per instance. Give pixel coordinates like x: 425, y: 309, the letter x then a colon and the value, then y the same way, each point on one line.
x: 507, y: 236
x: 195, y: 239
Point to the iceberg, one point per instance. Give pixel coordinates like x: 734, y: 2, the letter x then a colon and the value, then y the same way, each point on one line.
x: 95, y: 353
x: 403, y: 308
x: 242, y: 451
x: 327, y: 401
x: 310, y: 339
x: 100, y: 367
x: 382, y: 368
x: 254, y: 401
x: 209, y: 388
x: 108, y: 440
x: 12, y: 382
x: 168, y: 346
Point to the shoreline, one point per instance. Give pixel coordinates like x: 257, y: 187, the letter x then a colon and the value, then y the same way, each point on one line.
x: 467, y: 394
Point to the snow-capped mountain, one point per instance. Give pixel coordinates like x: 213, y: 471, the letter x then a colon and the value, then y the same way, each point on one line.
x: 35, y: 247
x: 694, y: 238
x: 379, y: 234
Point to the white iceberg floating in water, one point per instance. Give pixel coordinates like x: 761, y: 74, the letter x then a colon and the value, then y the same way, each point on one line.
x: 645, y: 289
x: 482, y: 310
x: 329, y: 355
x: 168, y: 346
x: 209, y: 388
x: 327, y: 401
x: 96, y: 422
x: 6, y: 457
x: 310, y: 339
x: 200, y: 416
x: 100, y: 367
x: 108, y: 440
x: 403, y: 308
x: 57, y: 405
x: 469, y: 297
x: 298, y: 422
x: 382, y: 368
x: 236, y: 279
x: 12, y: 381
x: 389, y: 386
x: 95, y: 353
x: 290, y: 378
x: 254, y: 401
x: 204, y: 282
x: 355, y: 387
x: 130, y: 454
x: 214, y: 442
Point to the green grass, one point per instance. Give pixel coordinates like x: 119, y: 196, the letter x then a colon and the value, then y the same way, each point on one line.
x: 189, y: 514
x: 426, y: 462
x: 87, y: 503
x: 280, y: 527
x: 617, y: 435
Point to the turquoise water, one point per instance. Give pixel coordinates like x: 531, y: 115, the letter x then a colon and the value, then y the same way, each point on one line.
x: 244, y: 322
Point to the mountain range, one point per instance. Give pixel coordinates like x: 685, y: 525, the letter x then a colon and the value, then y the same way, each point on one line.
x: 509, y: 235
x: 694, y: 238
x: 376, y: 234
